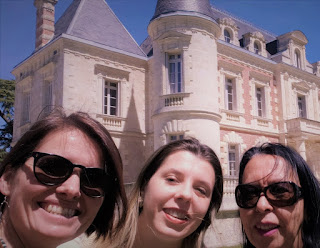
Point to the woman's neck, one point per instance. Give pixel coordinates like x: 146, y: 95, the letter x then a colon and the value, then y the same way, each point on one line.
x: 13, y: 239
x: 9, y: 234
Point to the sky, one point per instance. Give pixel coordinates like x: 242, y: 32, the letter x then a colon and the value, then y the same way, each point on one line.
x: 18, y: 18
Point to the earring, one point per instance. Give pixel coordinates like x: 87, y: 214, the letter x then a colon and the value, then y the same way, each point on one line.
x: 2, y: 205
x: 140, y: 202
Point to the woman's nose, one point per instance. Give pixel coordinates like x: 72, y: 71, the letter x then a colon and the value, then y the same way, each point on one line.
x: 184, y: 192
x: 263, y: 204
x: 70, y: 189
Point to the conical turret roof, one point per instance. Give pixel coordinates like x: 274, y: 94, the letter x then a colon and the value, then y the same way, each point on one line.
x: 189, y: 7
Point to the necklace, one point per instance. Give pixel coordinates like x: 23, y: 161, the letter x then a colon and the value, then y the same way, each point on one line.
x: 2, y: 243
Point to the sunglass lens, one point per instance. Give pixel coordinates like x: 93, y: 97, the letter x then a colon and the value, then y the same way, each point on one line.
x: 51, y: 170
x: 247, y: 196
x: 281, y: 194
x: 93, y: 182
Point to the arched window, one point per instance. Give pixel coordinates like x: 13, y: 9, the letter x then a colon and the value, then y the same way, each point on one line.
x: 227, y: 36
x: 297, y: 58
x: 256, y: 47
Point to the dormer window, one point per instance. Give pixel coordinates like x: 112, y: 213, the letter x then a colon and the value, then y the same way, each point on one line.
x: 227, y: 36
x: 297, y: 58
x: 229, y: 30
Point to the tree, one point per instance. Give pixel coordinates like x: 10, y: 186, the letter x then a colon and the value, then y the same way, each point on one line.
x: 6, y: 115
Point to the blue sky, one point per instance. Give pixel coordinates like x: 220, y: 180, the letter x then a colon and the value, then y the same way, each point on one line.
x: 17, y: 22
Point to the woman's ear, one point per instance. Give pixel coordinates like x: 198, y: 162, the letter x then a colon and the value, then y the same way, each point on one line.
x: 5, y: 180
x: 140, y: 199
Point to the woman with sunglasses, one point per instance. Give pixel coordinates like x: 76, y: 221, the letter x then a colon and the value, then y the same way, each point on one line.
x: 279, y: 199
x: 173, y: 199
x: 61, y: 179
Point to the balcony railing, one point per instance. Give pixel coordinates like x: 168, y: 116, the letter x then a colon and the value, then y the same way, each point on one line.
x: 175, y: 99
x: 299, y: 125
x: 111, y: 121
x: 229, y: 186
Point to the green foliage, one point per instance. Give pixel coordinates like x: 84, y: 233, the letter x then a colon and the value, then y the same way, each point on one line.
x: 6, y: 114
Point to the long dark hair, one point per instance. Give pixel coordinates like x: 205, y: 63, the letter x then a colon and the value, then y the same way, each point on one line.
x: 112, y: 213
x: 309, y: 184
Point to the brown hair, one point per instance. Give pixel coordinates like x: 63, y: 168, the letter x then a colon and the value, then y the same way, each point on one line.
x: 111, y: 214
x: 128, y: 234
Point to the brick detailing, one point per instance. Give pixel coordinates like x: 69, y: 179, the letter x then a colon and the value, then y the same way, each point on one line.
x: 45, y: 21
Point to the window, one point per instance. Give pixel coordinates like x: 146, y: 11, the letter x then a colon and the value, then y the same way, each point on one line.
x: 260, y: 102
x: 47, y: 98
x: 302, y: 112
x: 297, y: 58
x: 227, y: 36
x: 176, y: 137
x: 233, y: 159
x: 229, y: 94
x: 175, y: 73
x: 256, y: 47
x: 25, y: 117
x: 110, y: 106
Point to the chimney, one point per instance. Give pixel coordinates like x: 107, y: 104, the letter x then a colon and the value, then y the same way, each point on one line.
x: 45, y: 21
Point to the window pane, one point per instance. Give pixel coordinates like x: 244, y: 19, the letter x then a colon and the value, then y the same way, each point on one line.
x: 113, y: 111
x: 172, y: 69
x: 232, y: 160
x: 175, y: 73
x: 259, y: 101
x: 227, y: 36
x: 110, y: 98
x: 113, y: 102
x: 229, y: 95
x: 113, y: 93
x: 302, y: 107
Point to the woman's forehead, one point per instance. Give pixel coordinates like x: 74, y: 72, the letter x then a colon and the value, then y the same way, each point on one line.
x: 268, y: 168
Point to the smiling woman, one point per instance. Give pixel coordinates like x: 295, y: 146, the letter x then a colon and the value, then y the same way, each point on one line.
x: 173, y: 198
x: 61, y: 179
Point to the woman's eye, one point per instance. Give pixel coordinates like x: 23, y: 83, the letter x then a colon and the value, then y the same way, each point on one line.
x: 171, y: 179
x: 202, y: 191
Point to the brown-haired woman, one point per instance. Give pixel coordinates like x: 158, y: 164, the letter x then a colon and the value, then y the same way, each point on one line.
x: 61, y: 179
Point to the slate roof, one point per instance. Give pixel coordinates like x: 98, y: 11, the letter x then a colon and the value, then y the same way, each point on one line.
x: 194, y: 7
x: 93, y: 20
x: 204, y: 8
x: 244, y: 26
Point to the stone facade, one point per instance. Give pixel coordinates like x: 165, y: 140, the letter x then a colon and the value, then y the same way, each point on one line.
x: 208, y: 77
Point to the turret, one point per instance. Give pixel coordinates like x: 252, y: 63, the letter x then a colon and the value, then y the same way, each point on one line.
x: 184, y: 88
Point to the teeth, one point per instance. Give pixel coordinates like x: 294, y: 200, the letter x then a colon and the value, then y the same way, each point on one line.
x: 66, y: 212
x: 177, y: 214
x: 266, y: 227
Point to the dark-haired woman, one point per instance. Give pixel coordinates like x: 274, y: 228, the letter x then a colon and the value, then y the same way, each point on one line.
x: 61, y: 179
x: 279, y: 199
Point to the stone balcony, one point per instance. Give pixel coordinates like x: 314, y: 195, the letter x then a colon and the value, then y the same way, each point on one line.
x: 301, y: 126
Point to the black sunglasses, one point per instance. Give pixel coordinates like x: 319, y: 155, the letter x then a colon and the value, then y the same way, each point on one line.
x: 279, y: 194
x: 50, y: 169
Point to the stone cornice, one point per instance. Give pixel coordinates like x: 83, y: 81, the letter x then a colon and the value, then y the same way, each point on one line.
x: 190, y: 113
x: 298, y: 74
x: 102, y: 61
